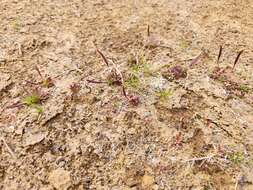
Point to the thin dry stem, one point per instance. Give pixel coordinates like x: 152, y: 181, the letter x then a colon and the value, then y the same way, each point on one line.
x: 8, y: 148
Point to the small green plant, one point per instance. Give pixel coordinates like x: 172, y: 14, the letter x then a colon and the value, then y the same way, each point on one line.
x: 236, y: 157
x: 133, y: 81
x: 33, y: 101
x: 164, y: 94
x: 244, y: 88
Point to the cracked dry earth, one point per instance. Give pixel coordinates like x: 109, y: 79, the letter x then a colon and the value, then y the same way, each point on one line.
x: 184, y: 121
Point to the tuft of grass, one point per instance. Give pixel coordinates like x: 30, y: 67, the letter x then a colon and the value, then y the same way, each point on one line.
x: 164, y: 94
x: 236, y: 157
x: 133, y: 81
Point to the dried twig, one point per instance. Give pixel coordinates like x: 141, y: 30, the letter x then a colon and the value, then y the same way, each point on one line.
x: 200, y: 158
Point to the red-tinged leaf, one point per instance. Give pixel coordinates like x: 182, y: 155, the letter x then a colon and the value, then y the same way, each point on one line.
x: 219, y: 56
x: 148, y: 31
x: 237, y: 58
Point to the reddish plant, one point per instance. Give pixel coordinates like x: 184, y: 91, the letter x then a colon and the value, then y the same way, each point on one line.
x: 75, y: 88
x: 178, y: 72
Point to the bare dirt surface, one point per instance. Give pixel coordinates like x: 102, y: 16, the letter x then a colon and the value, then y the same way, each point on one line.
x: 163, y: 114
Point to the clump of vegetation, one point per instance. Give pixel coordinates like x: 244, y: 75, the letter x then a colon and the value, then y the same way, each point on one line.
x: 164, y: 94
x: 30, y: 100
x: 175, y: 73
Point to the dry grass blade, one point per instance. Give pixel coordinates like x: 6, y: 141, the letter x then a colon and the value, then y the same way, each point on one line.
x: 94, y: 81
x: 148, y: 31
x: 200, y: 158
x: 124, y: 92
x: 103, y: 57
x: 37, y: 69
x: 195, y: 60
x: 237, y: 58
x: 219, y: 56
x: 121, y: 78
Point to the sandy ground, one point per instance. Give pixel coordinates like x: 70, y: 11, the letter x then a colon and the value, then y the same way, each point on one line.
x: 114, y: 94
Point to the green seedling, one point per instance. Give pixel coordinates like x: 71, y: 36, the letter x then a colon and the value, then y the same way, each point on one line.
x: 164, y: 94
x: 33, y: 101
x: 236, y: 157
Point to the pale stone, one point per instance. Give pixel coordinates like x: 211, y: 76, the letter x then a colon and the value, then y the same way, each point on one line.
x: 60, y: 179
